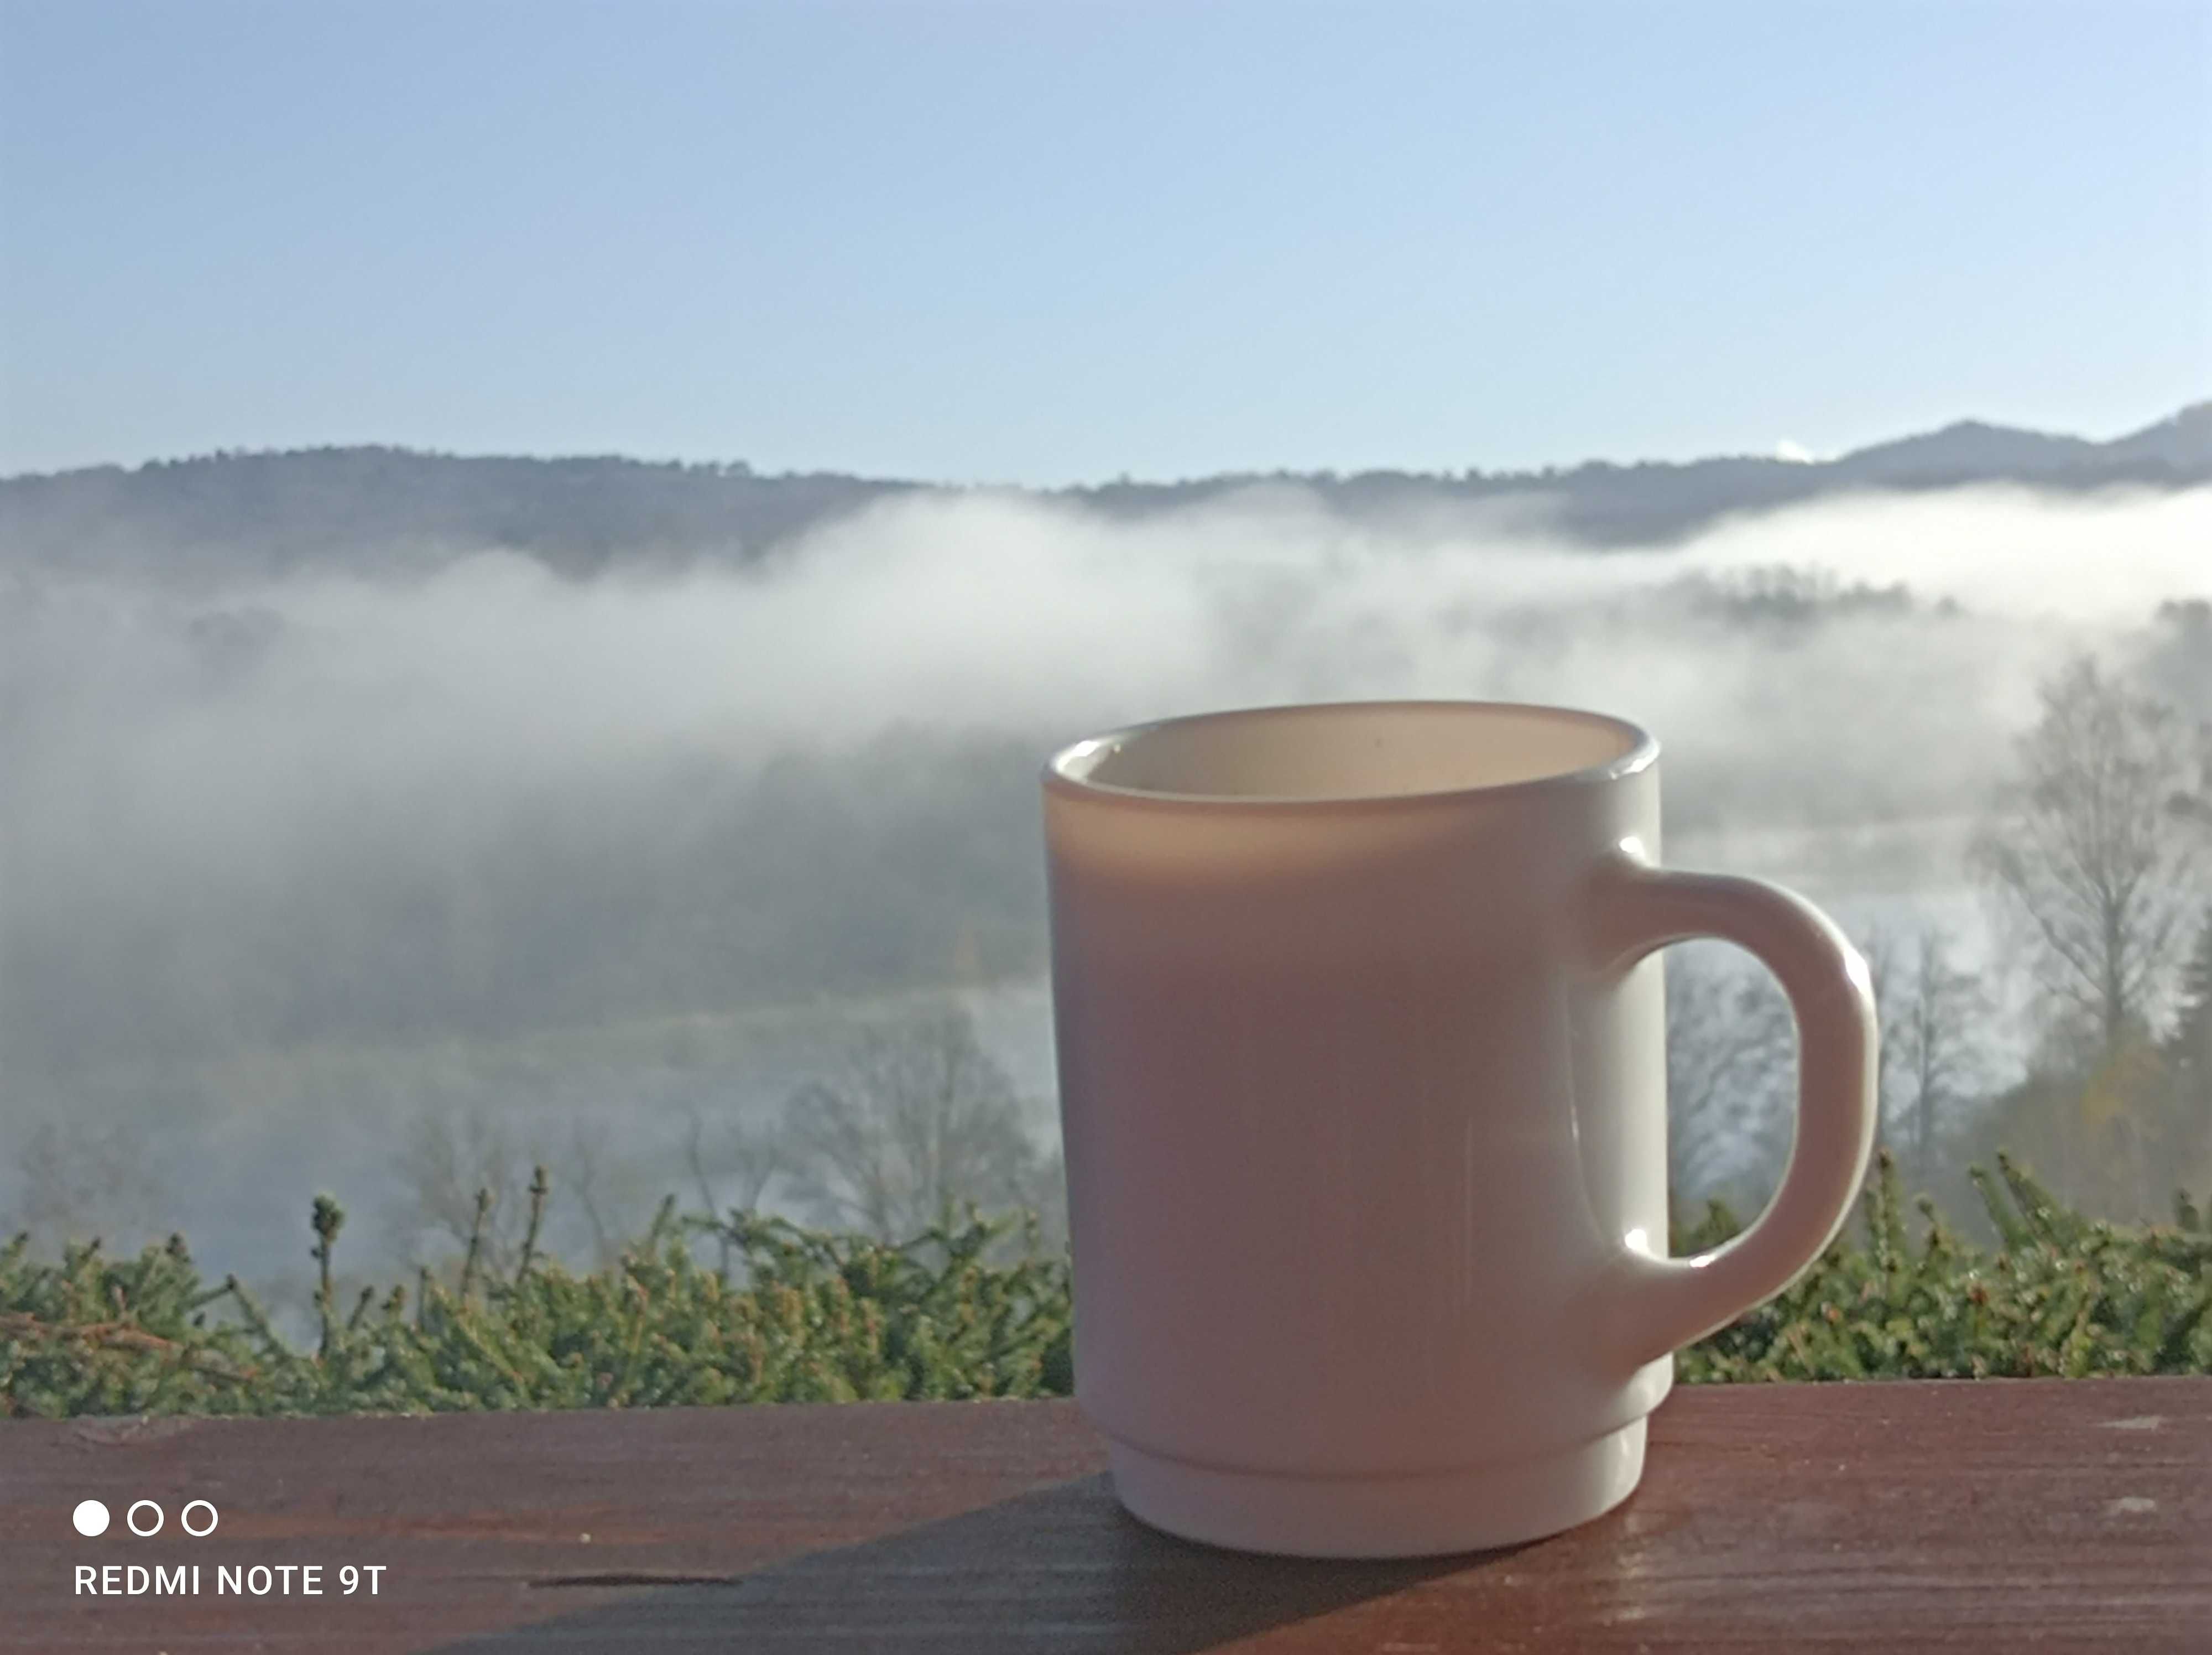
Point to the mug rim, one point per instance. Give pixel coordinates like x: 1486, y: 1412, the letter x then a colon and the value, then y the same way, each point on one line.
x: 1641, y: 752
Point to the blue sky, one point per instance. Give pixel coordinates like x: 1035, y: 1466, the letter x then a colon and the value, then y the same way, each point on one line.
x: 1056, y: 241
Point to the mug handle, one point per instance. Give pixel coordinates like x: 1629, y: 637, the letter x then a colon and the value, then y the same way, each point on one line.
x: 1651, y: 1306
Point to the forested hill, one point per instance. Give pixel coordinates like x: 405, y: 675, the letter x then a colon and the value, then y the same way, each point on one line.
x: 379, y: 510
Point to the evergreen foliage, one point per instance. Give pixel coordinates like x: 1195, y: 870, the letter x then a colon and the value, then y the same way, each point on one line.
x: 802, y: 1317
x: 2060, y: 1296
x: 976, y: 1307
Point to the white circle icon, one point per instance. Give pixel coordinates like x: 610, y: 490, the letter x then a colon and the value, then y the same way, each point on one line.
x: 184, y: 1518
x: 130, y: 1516
x: 90, y: 1517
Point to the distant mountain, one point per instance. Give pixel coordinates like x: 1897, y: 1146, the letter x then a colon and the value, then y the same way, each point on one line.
x: 2183, y: 442
x: 380, y: 511
x: 1969, y: 449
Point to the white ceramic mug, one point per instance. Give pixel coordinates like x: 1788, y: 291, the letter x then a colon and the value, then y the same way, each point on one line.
x: 1362, y: 1051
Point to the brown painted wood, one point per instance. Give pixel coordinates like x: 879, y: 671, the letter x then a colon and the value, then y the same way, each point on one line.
x: 2006, y: 1515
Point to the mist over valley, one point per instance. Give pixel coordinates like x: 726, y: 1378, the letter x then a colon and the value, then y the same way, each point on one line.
x: 383, y: 821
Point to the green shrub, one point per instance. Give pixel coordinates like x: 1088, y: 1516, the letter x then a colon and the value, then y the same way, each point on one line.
x: 2062, y: 1296
x: 976, y: 1308
x: 807, y: 1318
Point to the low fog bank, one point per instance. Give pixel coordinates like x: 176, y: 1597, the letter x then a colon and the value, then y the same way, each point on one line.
x: 287, y: 869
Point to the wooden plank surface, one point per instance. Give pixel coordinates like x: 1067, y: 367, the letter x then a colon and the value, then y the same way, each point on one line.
x: 2006, y: 1515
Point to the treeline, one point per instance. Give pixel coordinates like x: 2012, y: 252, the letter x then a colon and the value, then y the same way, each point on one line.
x: 2097, y: 861
x: 384, y: 512
x: 906, y: 1119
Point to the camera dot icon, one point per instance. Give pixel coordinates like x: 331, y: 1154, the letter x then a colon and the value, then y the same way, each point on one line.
x: 90, y: 1517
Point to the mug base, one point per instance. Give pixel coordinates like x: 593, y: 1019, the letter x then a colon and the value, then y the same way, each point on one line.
x: 1424, y: 1514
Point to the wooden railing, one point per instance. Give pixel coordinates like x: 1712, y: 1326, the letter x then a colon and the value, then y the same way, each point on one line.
x: 2001, y: 1515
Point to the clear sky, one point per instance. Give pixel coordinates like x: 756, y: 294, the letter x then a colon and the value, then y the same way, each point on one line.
x: 1055, y: 240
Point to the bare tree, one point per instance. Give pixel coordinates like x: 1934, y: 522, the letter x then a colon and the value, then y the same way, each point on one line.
x: 2093, y: 855
x: 751, y: 1156
x: 1935, y: 1053
x: 448, y: 1160
x: 1730, y: 1042
x: 1885, y: 962
x: 913, y: 1120
x: 734, y: 1167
